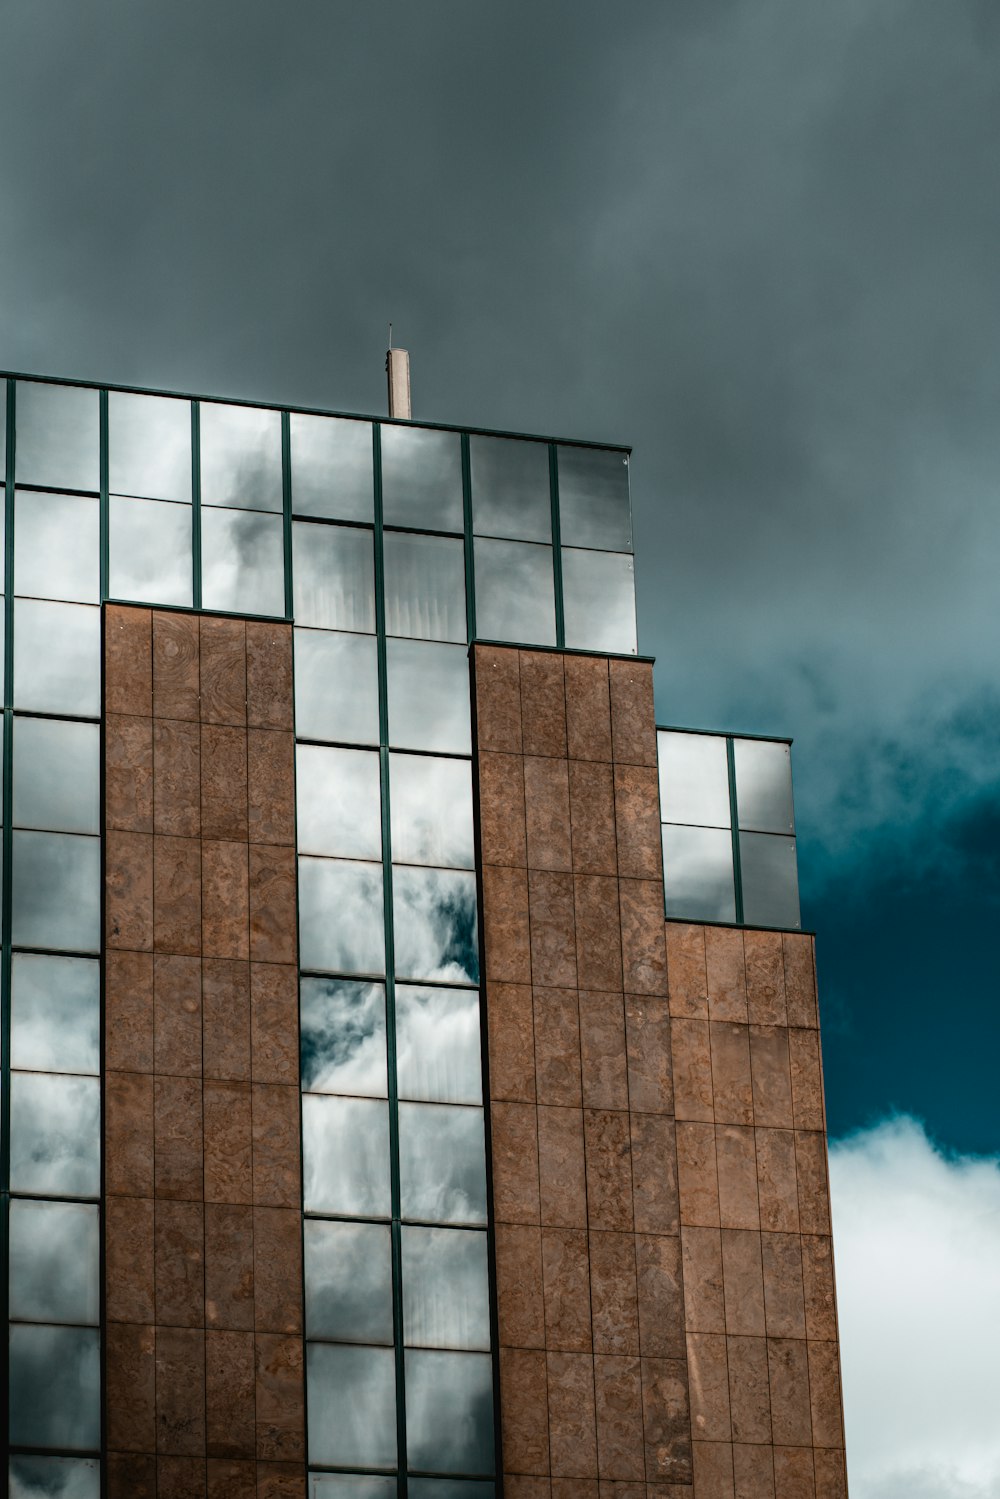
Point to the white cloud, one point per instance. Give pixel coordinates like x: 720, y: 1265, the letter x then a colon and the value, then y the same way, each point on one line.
x: 917, y: 1239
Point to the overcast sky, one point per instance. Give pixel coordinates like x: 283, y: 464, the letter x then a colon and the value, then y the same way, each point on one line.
x: 757, y: 239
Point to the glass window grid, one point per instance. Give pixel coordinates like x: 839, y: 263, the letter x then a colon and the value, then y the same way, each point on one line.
x: 733, y: 827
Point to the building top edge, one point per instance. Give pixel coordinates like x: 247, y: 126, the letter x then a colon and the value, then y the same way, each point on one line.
x: 686, y: 728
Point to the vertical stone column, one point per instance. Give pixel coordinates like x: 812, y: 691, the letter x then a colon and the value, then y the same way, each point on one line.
x: 204, y: 1343
x: 594, y: 1395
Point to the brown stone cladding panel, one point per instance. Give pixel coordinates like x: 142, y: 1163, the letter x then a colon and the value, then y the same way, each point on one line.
x: 204, y: 1390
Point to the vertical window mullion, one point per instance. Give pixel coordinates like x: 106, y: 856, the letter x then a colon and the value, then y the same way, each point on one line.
x: 735, y: 819
x: 470, y: 570
x: 557, y: 578
x: 286, y: 509
x: 195, y: 505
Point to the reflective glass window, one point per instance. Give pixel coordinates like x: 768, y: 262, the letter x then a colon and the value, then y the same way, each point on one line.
x: 55, y: 1018
x: 56, y: 783
x: 3, y: 426
x: 435, y: 921
x: 332, y: 467
x: 348, y: 1280
x: 428, y: 690
x: 352, y: 1405
x: 338, y: 801
x: 342, y: 1033
x: 341, y: 926
x: 769, y: 880
x: 424, y: 587
x: 446, y: 1288
x: 336, y: 686
x: 240, y: 457
x: 438, y: 1044
x: 431, y: 806
x: 55, y: 1135
x: 345, y: 1156
x: 149, y: 551
x: 694, y: 778
x: 764, y: 785
x: 449, y: 1411
x: 594, y: 506
x: 422, y: 478
x: 57, y: 547
x: 54, y: 1262
x: 55, y: 1478
x: 451, y: 1488
x: 57, y: 658
x: 56, y: 891
x: 511, y: 496
x: 55, y: 1387
x: 334, y: 572
x: 149, y: 446
x: 599, y: 601
x: 442, y: 1163
x: 58, y: 436
x: 698, y: 873
x: 242, y: 562
x: 351, y: 1486
x: 515, y: 597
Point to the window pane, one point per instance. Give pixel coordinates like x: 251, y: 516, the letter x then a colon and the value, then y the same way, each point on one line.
x: 450, y: 1488
x: 428, y: 696
x: 149, y: 551
x: 56, y: 775
x: 240, y: 458
x: 55, y: 1014
x: 514, y: 592
x: 422, y: 478
x: 599, y: 601
x: 56, y: 891
x: 338, y: 801
x: 435, y: 920
x: 593, y: 499
x: 332, y: 467
x: 55, y: 1478
x: 442, y: 1163
x: 769, y: 879
x: 55, y: 1135
x: 446, y: 1288
x: 58, y: 436
x: 149, y: 446
x: 55, y: 1389
x: 336, y: 687
x: 351, y: 1486
x: 698, y: 873
x: 348, y: 1279
x: 431, y: 803
x: 352, y: 1405
x: 449, y: 1411
x: 334, y: 572
x: 57, y: 658
x: 438, y: 1044
x: 510, y: 488
x: 242, y: 562
x: 341, y: 917
x: 57, y: 547
x: 54, y: 1262
x: 345, y: 1156
x: 764, y: 785
x: 694, y: 778
x: 424, y: 587
x: 343, y: 1037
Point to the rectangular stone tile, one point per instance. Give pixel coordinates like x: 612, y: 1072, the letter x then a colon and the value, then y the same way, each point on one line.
x: 514, y: 1138
x: 280, y: 1399
x: 598, y: 935
x: 749, y: 1390
x: 231, y: 1478
x: 765, y: 974
x: 277, y: 1258
x: 731, y: 1082
x: 661, y: 1295
x: 618, y: 1403
x: 229, y: 1267
x: 128, y: 773
x: 686, y: 965
x: 824, y: 1395
x: 744, y: 1283
x: 276, y: 1146
x: 512, y: 1042
x: 128, y: 1011
x: 831, y: 1475
x: 800, y: 979
x: 128, y: 660
x: 524, y: 1407
x: 272, y: 904
x: 694, y: 1096
x: 177, y: 895
x: 753, y: 1471
x: 505, y: 923
x: 500, y: 789
x: 131, y: 1390
x: 726, y: 973
x: 180, y: 1264
x: 704, y: 1306
x: 738, y: 1203
x: 793, y: 1473
x: 648, y: 1054
x: 271, y: 786
x: 713, y: 1470
x: 520, y: 1304
x: 789, y: 1381
x: 697, y: 1175
x: 666, y: 1421
x: 613, y: 1293
x: 807, y: 1079
x: 633, y: 720
x: 281, y: 1481
x: 772, y: 1087
x: 177, y: 1014
x: 180, y: 1391
x: 777, y: 1189
x: 131, y: 1476
x: 572, y: 1418
x: 274, y: 1023
x: 128, y: 1134
x: 557, y: 1046
x: 229, y: 1395
x: 128, y: 1269
x: 553, y: 931
x: 609, y: 1168
x: 497, y: 698
x: 181, y: 1478
x: 708, y: 1373
x: 269, y: 675
x: 518, y: 1486
x: 229, y: 1175
x: 223, y: 671
x: 561, y: 1172
x: 543, y: 703
x: 546, y: 813
x: 588, y: 707
x: 637, y: 822
x: 783, y: 1296
x: 178, y: 1138
x: 566, y: 1278
x: 224, y: 781
x: 814, y: 1191
x: 226, y: 1019
x: 592, y: 804
x: 176, y: 778
x: 818, y: 1287
x: 128, y: 889
x: 644, y: 954
x: 225, y: 913
x: 654, y: 1163
x: 176, y: 671
x: 602, y: 1049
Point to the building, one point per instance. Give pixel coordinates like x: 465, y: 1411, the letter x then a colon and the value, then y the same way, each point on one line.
x: 376, y: 1122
